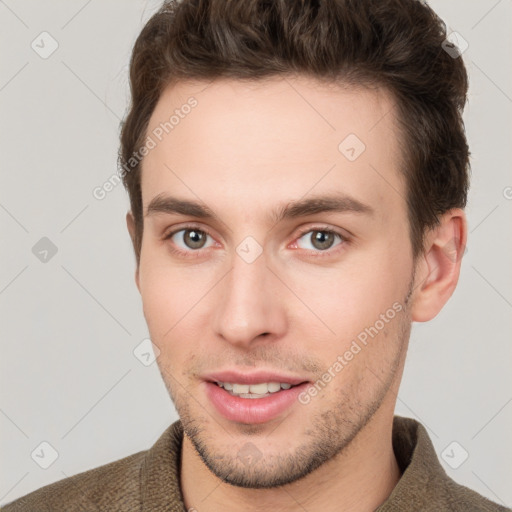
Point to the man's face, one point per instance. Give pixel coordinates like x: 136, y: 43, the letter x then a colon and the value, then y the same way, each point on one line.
x: 249, y: 296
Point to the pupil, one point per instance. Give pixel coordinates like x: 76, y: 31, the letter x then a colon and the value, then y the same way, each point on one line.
x: 322, y: 239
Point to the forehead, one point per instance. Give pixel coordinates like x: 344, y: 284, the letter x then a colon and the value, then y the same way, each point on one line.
x: 273, y: 140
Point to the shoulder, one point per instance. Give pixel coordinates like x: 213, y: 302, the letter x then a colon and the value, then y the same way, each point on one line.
x: 149, y: 478
x: 94, y: 489
x: 424, y: 484
x: 462, y: 499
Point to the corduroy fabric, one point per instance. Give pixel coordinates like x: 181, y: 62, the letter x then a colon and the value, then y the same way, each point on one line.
x: 148, y: 481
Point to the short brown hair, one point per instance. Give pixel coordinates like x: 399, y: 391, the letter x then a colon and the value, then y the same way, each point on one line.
x: 396, y: 44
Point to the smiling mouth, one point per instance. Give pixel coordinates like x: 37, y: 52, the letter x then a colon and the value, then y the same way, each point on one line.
x: 251, y: 398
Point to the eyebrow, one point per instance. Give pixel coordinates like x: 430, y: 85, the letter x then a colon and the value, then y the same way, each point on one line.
x: 291, y: 210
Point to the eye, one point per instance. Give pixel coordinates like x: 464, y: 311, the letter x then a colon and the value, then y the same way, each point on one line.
x: 319, y: 239
x: 188, y: 239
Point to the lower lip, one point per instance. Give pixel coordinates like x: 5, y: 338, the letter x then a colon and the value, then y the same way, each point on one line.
x: 252, y: 410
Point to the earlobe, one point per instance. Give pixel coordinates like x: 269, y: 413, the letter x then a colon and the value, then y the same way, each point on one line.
x: 130, y: 223
x: 438, y: 268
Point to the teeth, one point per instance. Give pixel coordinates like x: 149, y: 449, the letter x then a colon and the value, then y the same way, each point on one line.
x: 240, y: 388
x: 259, y: 389
x: 254, y: 390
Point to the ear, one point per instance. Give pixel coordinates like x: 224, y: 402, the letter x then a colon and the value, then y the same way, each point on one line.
x: 438, y: 268
x: 130, y: 223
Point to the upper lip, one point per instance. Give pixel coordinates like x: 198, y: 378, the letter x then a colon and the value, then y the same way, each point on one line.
x: 254, y: 377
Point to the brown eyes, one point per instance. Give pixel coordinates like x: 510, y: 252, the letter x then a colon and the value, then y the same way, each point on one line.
x: 194, y: 238
x: 321, y: 239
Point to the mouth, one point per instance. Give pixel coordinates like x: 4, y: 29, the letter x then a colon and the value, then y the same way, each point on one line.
x: 253, y: 398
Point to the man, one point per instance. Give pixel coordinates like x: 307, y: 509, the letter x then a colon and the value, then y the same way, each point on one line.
x: 297, y: 176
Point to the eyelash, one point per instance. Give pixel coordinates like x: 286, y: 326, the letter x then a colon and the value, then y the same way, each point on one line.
x: 316, y: 254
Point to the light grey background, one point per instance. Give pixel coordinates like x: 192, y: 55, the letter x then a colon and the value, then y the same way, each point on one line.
x: 70, y: 325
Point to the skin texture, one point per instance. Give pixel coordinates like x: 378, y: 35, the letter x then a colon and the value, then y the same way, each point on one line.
x: 245, y: 150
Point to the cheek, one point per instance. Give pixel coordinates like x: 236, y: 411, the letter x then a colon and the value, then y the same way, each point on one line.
x: 164, y: 310
x: 175, y: 302
x: 163, y: 294
x: 353, y: 294
x: 360, y: 305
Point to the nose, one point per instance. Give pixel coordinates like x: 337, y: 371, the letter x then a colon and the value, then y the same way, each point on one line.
x: 250, y: 308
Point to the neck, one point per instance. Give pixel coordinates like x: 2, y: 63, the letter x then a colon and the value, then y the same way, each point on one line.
x: 358, y: 479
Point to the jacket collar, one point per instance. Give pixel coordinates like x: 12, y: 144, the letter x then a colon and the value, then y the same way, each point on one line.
x: 422, y: 479
x: 160, y: 473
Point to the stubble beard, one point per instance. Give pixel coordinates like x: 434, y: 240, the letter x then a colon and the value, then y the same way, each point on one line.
x: 328, y: 436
